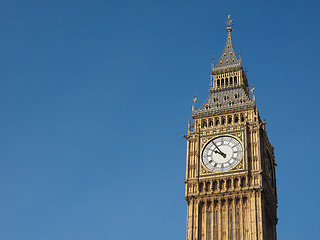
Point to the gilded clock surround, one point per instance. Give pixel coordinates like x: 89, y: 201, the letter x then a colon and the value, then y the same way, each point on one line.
x: 240, y: 203
x: 239, y: 166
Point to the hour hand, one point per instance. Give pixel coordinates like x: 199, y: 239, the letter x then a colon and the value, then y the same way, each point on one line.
x: 221, y: 153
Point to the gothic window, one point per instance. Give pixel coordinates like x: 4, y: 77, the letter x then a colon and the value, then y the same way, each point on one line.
x: 242, y: 118
x: 236, y: 95
x: 236, y: 119
x: 225, y: 97
x: 229, y: 183
x: 214, y: 185
x: 221, y: 185
x: 204, y: 123
x: 227, y: 80
x: 235, y: 80
x: 236, y: 182
x: 200, y: 187
x: 218, y: 83
x: 243, y: 182
x: 230, y: 103
x: 229, y: 119
x: 215, y: 99
x: 222, y: 82
x: 223, y: 120
x: 207, y: 186
x: 230, y: 82
x: 217, y: 122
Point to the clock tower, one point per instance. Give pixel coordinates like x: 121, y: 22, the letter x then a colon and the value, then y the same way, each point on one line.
x: 230, y: 169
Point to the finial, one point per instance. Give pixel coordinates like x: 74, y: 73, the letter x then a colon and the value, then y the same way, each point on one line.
x: 212, y: 64
x: 229, y: 23
x: 252, y: 92
x: 195, y: 99
x: 194, y: 102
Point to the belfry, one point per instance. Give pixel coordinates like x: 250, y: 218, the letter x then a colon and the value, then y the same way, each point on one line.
x: 230, y: 185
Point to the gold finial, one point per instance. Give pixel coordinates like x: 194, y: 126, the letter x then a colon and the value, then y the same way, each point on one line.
x: 252, y: 91
x: 212, y: 64
x: 229, y: 23
x: 195, y: 99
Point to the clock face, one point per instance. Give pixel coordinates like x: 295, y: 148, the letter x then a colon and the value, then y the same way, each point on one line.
x: 222, y: 153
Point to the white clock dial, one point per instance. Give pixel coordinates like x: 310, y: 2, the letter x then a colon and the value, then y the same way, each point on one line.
x: 222, y: 154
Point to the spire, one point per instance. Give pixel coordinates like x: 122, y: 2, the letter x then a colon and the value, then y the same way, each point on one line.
x: 228, y: 58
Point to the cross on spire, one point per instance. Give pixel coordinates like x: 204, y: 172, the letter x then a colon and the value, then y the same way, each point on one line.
x: 229, y: 23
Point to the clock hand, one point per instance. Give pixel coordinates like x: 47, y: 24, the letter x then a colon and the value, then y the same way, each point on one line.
x: 220, y: 152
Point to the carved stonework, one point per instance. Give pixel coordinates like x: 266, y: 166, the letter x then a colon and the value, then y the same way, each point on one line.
x: 241, y: 196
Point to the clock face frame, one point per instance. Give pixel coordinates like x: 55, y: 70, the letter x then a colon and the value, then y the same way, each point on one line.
x: 222, y: 153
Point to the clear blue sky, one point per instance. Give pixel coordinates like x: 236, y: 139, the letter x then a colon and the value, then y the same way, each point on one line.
x: 95, y: 98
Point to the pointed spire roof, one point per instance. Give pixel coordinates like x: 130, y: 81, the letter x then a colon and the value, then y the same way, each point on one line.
x: 228, y: 58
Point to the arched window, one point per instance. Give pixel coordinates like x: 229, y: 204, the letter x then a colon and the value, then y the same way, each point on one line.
x: 204, y: 124
x: 230, y: 82
x: 236, y: 182
x: 229, y: 119
x: 223, y: 120
x: 229, y: 183
x: 218, y: 83
x: 236, y: 95
x: 210, y: 123
x: 201, y: 187
x: 221, y: 185
x: 217, y: 122
x: 214, y: 186
x: 226, y: 82
x: 242, y: 118
x: 243, y: 182
x: 236, y: 119
x: 222, y: 82
x: 235, y: 80
x: 207, y: 186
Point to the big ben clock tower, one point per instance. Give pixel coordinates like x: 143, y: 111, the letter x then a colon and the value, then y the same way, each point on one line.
x: 230, y: 168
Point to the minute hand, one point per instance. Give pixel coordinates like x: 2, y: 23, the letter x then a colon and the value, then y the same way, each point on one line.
x: 223, y: 154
